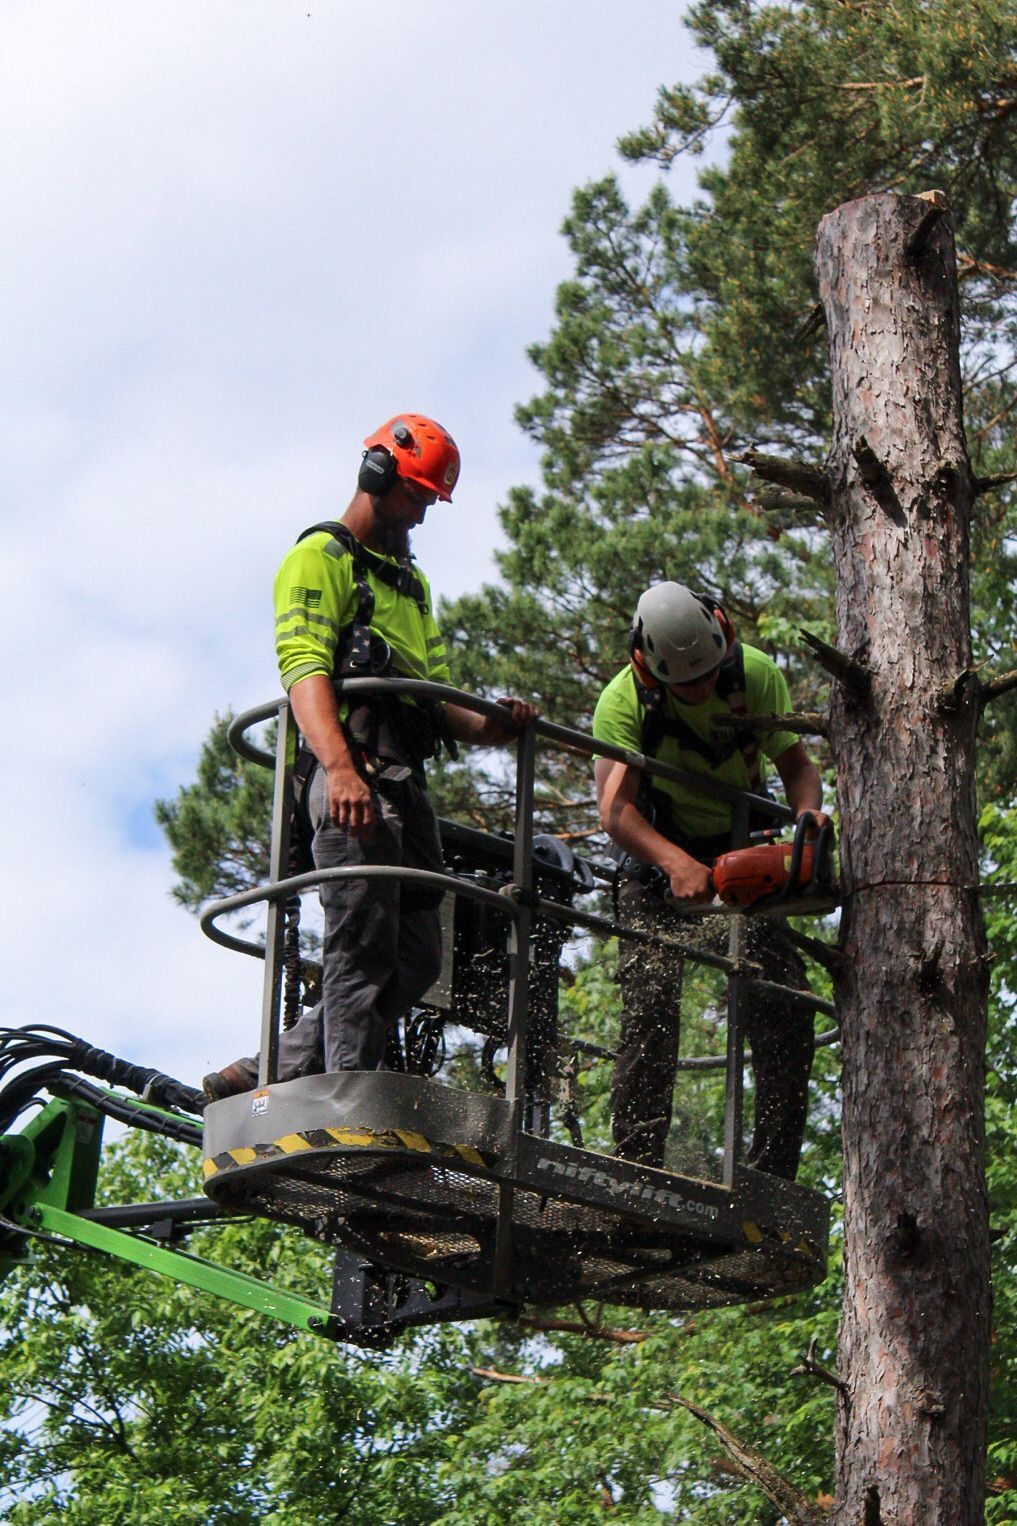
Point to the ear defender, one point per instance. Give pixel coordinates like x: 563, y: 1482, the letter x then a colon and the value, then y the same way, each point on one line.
x: 421, y: 452
x: 638, y: 661
x: 378, y: 471
x: 727, y: 630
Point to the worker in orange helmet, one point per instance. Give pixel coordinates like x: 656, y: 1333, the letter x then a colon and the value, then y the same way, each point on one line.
x: 350, y: 601
x: 686, y: 670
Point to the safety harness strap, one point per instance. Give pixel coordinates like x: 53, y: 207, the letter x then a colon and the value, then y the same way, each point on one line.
x: 381, y: 727
x: 402, y: 578
x: 658, y: 724
x: 654, y: 802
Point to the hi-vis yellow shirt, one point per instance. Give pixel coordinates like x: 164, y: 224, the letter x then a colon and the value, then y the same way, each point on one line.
x: 316, y: 598
x: 618, y: 718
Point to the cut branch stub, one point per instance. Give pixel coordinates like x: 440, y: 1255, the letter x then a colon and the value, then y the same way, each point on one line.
x: 871, y: 470
x: 810, y: 1368
x: 854, y: 675
x: 812, y: 723
x: 969, y: 683
x: 918, y: 243
x: 877, y: 479
x: 997, y: 686
x: 814, y: 323
x: 780, y: 500
x: 799, y: 476
x: 952, y: 695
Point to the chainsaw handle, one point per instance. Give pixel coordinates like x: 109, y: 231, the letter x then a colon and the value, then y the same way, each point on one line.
x: 792, y: 884
x: 821, y: 859
x: 819, y: 878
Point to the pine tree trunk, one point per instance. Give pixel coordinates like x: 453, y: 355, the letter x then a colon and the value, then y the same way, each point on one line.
x: 914, y: 1344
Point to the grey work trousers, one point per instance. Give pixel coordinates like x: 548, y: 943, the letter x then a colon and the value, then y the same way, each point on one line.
x: 382, y: 941
x: 780, y: 1034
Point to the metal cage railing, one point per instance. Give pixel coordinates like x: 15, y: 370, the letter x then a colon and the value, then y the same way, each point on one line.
x: 517, y: 901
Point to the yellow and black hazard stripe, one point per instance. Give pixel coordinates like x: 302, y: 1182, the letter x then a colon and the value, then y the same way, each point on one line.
x: 345, y: 1139
x: 781, y: 1240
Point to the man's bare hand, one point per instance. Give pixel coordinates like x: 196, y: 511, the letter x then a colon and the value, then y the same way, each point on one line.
x: 820, y: 818
x: 493, y: 731
x: 690, y: 882
x: 349, y: 802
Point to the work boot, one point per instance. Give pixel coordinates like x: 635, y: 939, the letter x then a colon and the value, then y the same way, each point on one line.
x: 228, y: 1082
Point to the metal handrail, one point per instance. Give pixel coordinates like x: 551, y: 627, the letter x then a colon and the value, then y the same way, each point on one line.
x: 571, y: 916
x: 281, y: 890
x: 576, y: 741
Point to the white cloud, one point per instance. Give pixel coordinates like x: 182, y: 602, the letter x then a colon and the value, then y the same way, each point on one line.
x: 237, y: 236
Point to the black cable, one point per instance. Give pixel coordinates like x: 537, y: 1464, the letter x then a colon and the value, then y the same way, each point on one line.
x: 41, y: 1234
x: 61, y: 1051
x: 126, y: 1110
x: 19, y: 1093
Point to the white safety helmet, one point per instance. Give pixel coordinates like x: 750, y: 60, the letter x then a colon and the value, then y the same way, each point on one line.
x: 678, y: 635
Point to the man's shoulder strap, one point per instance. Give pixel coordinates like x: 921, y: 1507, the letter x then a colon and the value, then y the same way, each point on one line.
x: 651, y: 702
x: 403, y: 579
x: 731, y: 679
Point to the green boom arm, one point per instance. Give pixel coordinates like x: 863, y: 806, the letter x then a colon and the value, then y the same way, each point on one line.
x: 48, y: 1175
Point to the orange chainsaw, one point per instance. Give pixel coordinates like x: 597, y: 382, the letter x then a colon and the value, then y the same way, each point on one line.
x: 776, y: 871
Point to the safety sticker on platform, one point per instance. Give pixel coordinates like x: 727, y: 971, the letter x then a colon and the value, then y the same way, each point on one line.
x: 259, y: 1103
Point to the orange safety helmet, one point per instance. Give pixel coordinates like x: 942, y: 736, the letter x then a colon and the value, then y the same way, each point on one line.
x: 414, y: 447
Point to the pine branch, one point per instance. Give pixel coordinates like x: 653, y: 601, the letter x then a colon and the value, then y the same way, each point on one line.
x: 883, y: 84
x: 753, y: 1466
x: 799, y: 476
x: 812, y: 723
x: 988, y: 484
x: 810, y: 1368
x: 997, y: 686
x: 969, y: 266
x: 747, y: 1462
x: 825, y: 954
x: 852, y: 674
x: 492, y: 1375
x: 594, y: 1329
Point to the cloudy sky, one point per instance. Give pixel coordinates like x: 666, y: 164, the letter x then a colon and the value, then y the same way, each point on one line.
x: 237, y: 235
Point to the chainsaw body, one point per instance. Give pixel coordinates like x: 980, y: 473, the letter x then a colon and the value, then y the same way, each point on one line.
x: 776, y: 871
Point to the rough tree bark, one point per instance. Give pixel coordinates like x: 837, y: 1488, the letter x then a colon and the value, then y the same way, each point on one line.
x: 914, y: 1347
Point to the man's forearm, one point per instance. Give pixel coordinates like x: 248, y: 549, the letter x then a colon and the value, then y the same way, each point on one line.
x: 629, y: 829
x: 805, y: 790
x: 317, y: 714
x: 465, y: 725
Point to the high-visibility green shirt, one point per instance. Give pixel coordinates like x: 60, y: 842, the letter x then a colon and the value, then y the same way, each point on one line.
x: 618, y: 719
x: 316, y: 598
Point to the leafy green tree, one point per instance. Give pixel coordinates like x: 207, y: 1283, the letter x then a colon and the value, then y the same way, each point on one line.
x: 129, y: 1399
x: 688, y: 333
